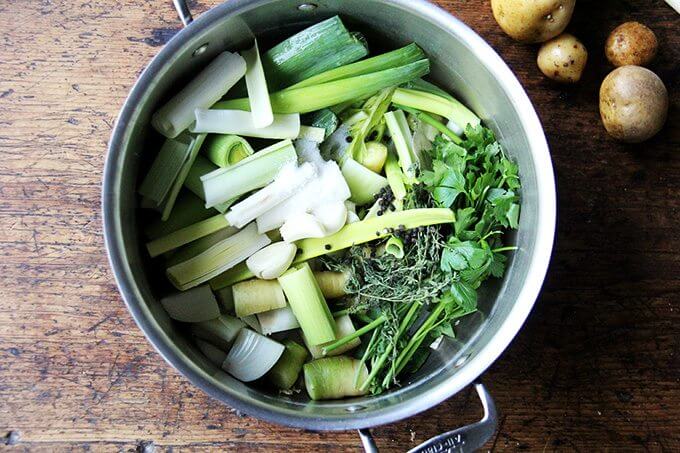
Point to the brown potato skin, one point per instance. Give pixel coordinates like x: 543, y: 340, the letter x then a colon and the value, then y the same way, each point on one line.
x: 532, y: 21
x: 633, y: 104
x: 631, y: 43
x: 563, y: 59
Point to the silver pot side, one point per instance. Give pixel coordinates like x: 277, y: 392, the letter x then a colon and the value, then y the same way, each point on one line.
x: 462, y: 63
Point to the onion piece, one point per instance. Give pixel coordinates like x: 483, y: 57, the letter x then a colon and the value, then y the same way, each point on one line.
x: 290, y: 180
x: 202, y: 92
x: 239, y: 122
x: 251, y: 356
x: 196, y: 305
x: 302, y: 226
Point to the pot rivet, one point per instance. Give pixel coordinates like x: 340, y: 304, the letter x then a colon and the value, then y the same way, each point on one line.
x: 460, y: 362
x: 308, y: 7
x: 200, y: 50
x: 353, y: 409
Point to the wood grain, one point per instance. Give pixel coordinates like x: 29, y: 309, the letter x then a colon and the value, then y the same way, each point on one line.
x: 596, y: 368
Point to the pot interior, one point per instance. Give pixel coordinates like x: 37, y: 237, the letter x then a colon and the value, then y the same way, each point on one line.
x: 461, y: 64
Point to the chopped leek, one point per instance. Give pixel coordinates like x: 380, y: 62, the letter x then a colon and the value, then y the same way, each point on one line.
x: 257, y: 296
x: 290, y: 180
x: 226, y: 150
x: 451, y: 109
x: 286, y: 371
x: 334, y: 377
x: 225, y: 297
x: 258, y: 93
x: 279, y: 320
x: 376, y: 107
x: 217, y: 259
x: 202, y: 92
x: 250, y: 174
x: 195, y: 305
x: 165, y: 169
x: 188, y: 210
x: 324, y: 119
x: 252, y: 356
x: 403, y: 142
x: 353, y: 234
x: 333, y: 284
x: 220, y: 332
x: 396, y: 58
x: 238, y: 122
x: 308, y: 304
x: 317, y: 97
x: 343, y: 328
x: 395, y: 178
x: 313, y: 134
x: 169, y: 202
x: 363, y: 183
x: 319, y: 48
x: 199, y: 246
x: 186, y: 235
x: 214, y: 354
x: 272, y: 261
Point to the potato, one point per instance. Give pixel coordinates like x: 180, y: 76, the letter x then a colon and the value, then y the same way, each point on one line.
x: 633, y: 104
x: 563, y: 59
x: 631, y: 44
x: 532, y: 21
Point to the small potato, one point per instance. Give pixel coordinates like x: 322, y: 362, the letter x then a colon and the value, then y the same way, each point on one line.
x: 563, y: 59
x: 633, y: 104
x: 631, y: 44
x: 532, y: 21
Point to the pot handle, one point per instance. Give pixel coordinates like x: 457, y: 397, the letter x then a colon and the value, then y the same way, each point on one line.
x: 467, y: 439
x: 183, y: 11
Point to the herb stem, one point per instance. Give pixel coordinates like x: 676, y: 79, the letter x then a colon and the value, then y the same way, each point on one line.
x: 343, y: 341
x: 425, y: 118
x: 505, y: 249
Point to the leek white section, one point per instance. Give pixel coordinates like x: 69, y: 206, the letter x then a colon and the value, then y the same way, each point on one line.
x: 202, y: 92
x: 276, y: 321
x: 250, y: 174
x: 239, y: 122
x: 217, y: 259
x: 258, y: 93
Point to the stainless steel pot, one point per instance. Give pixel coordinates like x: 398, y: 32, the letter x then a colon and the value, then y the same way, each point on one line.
x: 462, y: 63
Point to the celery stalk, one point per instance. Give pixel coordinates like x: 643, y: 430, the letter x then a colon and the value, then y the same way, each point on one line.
x: 352, y: 234
x: 343, y: 328
x: 403, y: 143
x: 317, y: 97
x: 308, y: 304
x: 395, y: 177
x: 450, y: 109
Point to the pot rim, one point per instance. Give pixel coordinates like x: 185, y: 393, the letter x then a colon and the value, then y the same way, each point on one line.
x: 547, y: 213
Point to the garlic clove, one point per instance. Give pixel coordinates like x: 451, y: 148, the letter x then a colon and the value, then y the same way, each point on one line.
x: 272, y: 261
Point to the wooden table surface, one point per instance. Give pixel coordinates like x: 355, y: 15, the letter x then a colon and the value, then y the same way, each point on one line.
x: 597, y: 366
